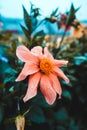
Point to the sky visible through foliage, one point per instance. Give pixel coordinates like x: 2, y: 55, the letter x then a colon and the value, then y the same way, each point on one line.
x: 14, y: 7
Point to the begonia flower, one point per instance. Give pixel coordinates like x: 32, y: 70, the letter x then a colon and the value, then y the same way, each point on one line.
x: 43, y: 69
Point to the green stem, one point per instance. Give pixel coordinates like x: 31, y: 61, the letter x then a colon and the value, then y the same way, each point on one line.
x: 63, y: 37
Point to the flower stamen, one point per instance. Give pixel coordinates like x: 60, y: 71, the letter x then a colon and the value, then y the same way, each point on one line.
x: 46, y: 66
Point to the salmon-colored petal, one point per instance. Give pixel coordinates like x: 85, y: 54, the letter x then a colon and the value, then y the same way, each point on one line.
x: 60, y: 73
x: 55, y: 84
x: 37, y: 50
x: 60, y: 62
x: 28, y: 69
x: 25, y: 55
x: 47, y: 90
x: 48, y: 54
x: 32, y: 86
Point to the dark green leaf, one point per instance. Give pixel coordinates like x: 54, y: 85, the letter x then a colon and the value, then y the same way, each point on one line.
x: 36, y: 114
x: 27, y: 20
x: 40, y: 33
x: 10, y: 71
x: 26, y: 32
x: 80, y: 59
x: 67, y: 94
x: 1, y: 113
x: 54, y: 12
x: 71, y: 15
x: 61, y: 128
x: 61, y: 115
x: 9, y: 79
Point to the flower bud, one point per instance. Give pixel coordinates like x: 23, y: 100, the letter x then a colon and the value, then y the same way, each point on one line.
x: 20, y: 122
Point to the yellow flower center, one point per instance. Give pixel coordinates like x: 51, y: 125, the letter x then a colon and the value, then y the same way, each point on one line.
x: 46, y: 66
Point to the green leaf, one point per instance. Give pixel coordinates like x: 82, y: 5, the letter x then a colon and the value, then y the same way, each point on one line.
x: 39, y: 100
x: 67, y: 94
x: 26, y: 32
x: 54, y: 12
x: 10, y: 71
x: 80, y: 59
x: 40, y: 33
x: 9, y: 79
x: 61, y: 128
x: 71, y: 14
x: 3, y: 66
x: 38, y: 38
x: 36, y: 115
x: 61, y: 115
x: 1, y: 113
x: 27, y: 20
x: 9, y: 75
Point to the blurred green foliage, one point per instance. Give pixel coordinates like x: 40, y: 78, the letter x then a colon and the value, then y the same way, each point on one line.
x: 68, y: 113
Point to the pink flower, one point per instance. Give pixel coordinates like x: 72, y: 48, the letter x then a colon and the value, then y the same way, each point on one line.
x: 42, y: 68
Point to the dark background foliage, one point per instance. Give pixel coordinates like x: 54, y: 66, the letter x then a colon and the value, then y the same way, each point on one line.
x: 67, y: 113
